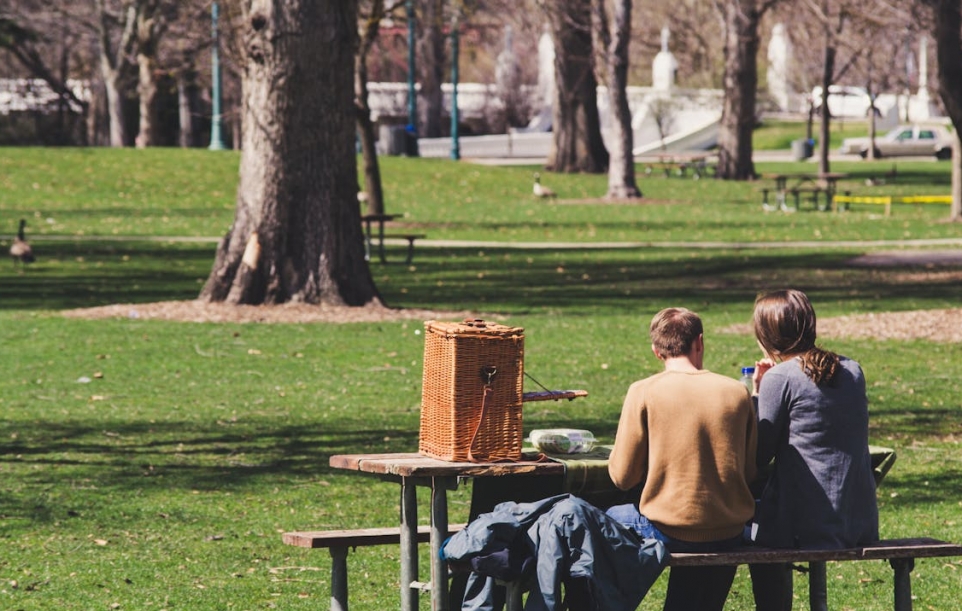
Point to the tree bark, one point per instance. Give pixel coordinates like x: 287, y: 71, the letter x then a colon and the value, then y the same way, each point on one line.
x: 297, y: 233
x: 614, y: 39
x: 948, y: 40
x: 431, y: 68
x: 149, y: 26
x: 741, y: 83
x: 577, y: 145
x: 186, y: 105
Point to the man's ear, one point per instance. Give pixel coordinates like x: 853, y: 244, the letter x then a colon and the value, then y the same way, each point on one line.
x: 700, y: 343
x: 655, y: 352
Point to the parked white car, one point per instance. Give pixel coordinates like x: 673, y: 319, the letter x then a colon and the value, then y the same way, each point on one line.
x: 906, y: 140
x: 844, y: 101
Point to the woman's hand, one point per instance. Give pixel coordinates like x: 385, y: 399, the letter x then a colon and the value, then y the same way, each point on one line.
x: 760, y: 368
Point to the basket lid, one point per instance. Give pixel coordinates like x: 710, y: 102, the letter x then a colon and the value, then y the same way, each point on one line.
x: 473, y: 327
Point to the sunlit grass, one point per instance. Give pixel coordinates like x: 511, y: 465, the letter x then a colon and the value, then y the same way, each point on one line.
x: 153, y: 465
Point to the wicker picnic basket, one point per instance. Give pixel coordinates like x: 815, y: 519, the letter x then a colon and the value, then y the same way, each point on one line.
x: 472, y: 391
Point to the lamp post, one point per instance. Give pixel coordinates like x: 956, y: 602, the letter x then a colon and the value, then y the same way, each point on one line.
x: 216, y: 138
x: 412, y: 126
x: 455, y: 144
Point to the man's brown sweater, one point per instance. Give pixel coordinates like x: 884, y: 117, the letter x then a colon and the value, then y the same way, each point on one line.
x: 689, y: 437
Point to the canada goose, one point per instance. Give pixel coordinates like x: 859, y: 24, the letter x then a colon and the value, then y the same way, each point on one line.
x: 540, y: 190
x: 20, y: 250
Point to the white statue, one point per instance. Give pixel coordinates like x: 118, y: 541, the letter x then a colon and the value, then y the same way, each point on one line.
x: 779, y: 65
x: 665, y: 67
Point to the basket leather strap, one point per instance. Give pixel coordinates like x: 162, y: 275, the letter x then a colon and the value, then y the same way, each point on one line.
x: 488, y: 391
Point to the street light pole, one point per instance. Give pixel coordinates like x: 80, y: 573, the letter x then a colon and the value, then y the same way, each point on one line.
x: 216, y: 139
x: 455, y: 144
x: 412, y: 126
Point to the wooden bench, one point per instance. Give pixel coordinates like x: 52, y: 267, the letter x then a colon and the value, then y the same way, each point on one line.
x: 337, y: 543
x: 900, y: 553
x: 814, y: 191
x: 410, y: 237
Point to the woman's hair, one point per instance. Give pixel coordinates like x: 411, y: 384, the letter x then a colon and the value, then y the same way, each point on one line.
x: 674, y: 330
x: 784, y: 324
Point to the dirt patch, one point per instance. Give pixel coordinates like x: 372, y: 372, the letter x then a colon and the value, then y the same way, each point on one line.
x: 200, y: 311
x: 935, y: 325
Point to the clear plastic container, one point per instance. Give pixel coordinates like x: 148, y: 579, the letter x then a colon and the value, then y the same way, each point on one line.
x: 746, y: 379
x: 562, y: 441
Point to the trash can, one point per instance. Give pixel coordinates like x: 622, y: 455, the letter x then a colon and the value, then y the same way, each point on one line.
x: 802, y: 149
x: 392, y: 140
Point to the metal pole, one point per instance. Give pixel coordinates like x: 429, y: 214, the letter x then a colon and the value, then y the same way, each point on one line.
x: 216, y: 139
x: 412, y: 126
x: 455, y: 115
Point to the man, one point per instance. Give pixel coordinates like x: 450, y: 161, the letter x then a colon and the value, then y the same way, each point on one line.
x: 688, y: 437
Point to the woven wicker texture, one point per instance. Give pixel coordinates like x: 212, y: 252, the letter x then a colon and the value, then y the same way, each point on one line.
x: 464, y: 362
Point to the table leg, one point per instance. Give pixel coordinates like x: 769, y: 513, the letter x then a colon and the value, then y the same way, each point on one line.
x: 409, y: 544
x: 367, y: 240
x: 439, y: 531
x: 817, y: 587
x: 903, y: 582
x: 380, y: 240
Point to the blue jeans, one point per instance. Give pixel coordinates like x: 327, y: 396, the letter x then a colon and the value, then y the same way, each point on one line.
x: 702, y: 588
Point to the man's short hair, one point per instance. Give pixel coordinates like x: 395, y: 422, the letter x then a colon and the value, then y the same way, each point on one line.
x: 674, y: 330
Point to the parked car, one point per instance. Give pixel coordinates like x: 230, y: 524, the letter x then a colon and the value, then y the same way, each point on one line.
x: 844, y: 101
x: 906, y: 140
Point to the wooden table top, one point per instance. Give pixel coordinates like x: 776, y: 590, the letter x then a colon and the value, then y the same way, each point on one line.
x: 417, y: 465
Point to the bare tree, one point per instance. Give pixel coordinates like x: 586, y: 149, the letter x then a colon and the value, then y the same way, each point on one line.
x: 430, y: 56
x: 152, y: 20
x: 296, y: 234
x: 614, y: 34
x: 577, y: 145
x: 47, y: 49
x: 370, y: 26
x: 116, y: 61
x: 742, y: 18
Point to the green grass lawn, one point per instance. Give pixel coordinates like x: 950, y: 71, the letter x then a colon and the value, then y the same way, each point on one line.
x: 153, y: 465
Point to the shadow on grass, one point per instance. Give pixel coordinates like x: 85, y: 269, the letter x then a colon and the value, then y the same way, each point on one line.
x: 74, y: 275
x: 157, y: 457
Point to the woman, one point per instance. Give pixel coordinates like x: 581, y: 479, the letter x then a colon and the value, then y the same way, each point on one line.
x: 813, y: 422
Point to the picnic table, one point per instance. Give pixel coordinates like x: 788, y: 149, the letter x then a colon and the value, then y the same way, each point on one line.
x: 534, y: 477
x: 411, y: 470
x: 813, y: 184
x: 679, y: 164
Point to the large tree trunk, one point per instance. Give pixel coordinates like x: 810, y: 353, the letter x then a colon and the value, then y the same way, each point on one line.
x: 577, y: 145
x: 741, y: 84
x: 948, y: 40
x: 297, y: 232
x: 615, y: 40
x: 431, y: 67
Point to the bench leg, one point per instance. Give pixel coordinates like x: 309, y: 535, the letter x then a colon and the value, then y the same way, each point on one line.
x: 338, y: 578
x: 903, y: 582
x: 410, y: 256
x: 513, y: 600
x: 817, y: 587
